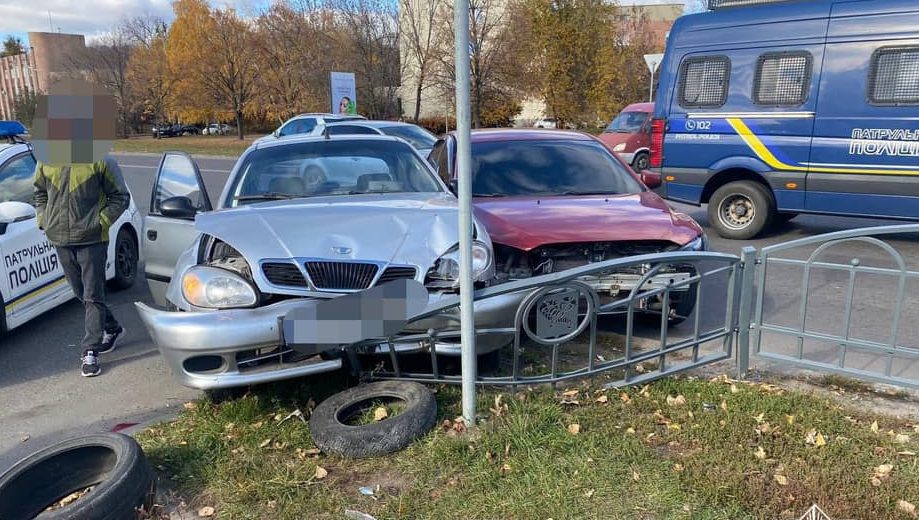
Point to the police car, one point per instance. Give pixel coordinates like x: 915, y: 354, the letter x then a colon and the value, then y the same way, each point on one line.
x: 32, y: 281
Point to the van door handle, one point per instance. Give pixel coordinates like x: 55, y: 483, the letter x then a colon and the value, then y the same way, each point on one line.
x: 151, y: 235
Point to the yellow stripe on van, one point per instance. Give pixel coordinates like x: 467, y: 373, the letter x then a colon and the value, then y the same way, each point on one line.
x: 767, y: 157
x: 37, y: 292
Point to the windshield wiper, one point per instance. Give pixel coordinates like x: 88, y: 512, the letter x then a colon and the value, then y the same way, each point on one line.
x: 483, y: 195
x: 272, y: 195
x: 587, y: 193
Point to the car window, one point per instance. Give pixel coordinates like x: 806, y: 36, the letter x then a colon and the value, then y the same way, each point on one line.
x: 303, y: 125
x: 351, y: 129
x: 327, y: 168
x: 628, y: 122
x: 178, y: 178
x: 547, y: 167
x: 415, y: 135
x: 16, y: 177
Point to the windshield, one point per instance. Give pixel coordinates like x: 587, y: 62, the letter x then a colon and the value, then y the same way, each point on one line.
x: 334, y: 167
x: 547, y: 167
x: 415, y: 135
x: 628, y: 122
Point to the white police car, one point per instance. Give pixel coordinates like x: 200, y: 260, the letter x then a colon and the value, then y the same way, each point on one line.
x: 31, y: 279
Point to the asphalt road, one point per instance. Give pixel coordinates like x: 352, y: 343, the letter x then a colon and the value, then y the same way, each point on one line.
x: 45, y: 399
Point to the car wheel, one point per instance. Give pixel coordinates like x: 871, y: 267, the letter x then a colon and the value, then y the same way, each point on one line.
x: 640, y: 162
x: 332, y: 434
x: 113, y: 465
x: 741, y: 210
x: 125, y: 260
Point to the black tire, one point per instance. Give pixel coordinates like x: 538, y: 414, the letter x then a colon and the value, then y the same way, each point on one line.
x: 332, y: 435
x: 125, y: 260
x: 112, y: 462
x: 740, y: 210
x: 641, y: 162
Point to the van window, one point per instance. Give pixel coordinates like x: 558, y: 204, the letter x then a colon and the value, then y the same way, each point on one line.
x: 894, y: 76
x: 704, y: 81
x: 782, y: 79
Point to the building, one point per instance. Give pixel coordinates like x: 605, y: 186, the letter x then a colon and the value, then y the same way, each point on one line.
x: 47, y: 58
x: 658, y: 17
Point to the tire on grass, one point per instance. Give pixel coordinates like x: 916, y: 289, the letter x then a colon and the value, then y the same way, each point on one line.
x: 332, y: 434
x: 113, y: 463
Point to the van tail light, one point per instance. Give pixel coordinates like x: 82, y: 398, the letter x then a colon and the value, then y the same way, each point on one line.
x: 657, y: 142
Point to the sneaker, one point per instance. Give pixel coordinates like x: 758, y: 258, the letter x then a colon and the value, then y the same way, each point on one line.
x: 109, y: 339
x: 91, y: 366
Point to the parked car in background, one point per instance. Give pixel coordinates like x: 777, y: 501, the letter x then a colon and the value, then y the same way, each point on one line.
x: 189, y: 130
x: 307, y: 124
x: 629, y: 135
x: 555, y: 200
x: 33, y: 281
x: 546, y: 122
x: 166, y: 129
x: 302, y: 221
x: 416, y: 136
x: 217, y: 129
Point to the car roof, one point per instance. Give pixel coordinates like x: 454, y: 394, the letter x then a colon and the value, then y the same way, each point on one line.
x: 306, y: 138
x: 372, y: 123
x: 642, y: 107
x: 486, y: 135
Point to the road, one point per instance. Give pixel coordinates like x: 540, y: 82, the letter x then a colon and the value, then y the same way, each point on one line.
x: 44, y: 397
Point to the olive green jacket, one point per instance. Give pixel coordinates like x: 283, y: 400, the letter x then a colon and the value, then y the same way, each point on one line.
x: 77, y: 203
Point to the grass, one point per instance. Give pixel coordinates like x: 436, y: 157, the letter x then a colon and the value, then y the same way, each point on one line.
x: 192, y: 144
x: 680, y: 448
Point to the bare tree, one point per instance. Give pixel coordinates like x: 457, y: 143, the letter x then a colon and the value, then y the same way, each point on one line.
x: 421, y: 41
x: 106, y: 64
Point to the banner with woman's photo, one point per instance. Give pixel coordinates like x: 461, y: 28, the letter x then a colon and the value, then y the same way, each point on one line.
x: 344, y: 93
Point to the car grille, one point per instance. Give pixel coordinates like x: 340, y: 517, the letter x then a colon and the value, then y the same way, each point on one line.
x: 396, y: 273
x: 341, y: 275
x: 283, y: 273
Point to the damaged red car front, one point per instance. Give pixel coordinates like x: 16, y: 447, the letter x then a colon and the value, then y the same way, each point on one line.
x: 555, y: 200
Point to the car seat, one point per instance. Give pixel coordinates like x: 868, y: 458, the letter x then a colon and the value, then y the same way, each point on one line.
x: 363, y: 182
x: 289, y: 185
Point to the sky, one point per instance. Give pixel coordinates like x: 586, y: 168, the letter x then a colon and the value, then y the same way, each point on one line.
x: 94, y: 17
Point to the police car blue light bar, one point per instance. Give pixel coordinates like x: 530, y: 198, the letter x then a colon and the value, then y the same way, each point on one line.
x: 11, y: 129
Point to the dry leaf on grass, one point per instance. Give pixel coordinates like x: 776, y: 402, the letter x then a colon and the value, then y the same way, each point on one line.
x: 781, y: 479
x: 570, y: 393
x: 676, y: 401
x: 264, y: 443
x: 907, y: 453
x: 603, y: 399
x: 635, y: 476
x: 206, y: 511
x: 760, y: 453
x: 624, y: 397
x: 874, y: 426
x: 589, y: 493
x: 574, y: 429
x: 380, y: 413
x: 505, y: 469
x: 321, y: 473
x: 630, y: 430
x: 901, y: 438
x: 906, y: 507
x: 790, y: 419
x: 191, y: 405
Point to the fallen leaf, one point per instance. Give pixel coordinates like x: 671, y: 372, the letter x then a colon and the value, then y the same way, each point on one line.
x: 734, y: 389
x: 630, y: 430
x: 781, y: 479
x: 901, y: 438
x: 674, y: 426
x: 25, y: 438
x: 229, y: 426
x: 574, y: 429
x: 760, y: 453
x: 724, y: 405
x: 874, y: 426
x: 603, y: 399
x: 257, y: 424
x: 206, y: 511
x: 635, y: 476
x: 640, y: 368
x: 676, y: 401
x: 907, y: 453
x: 264, y: 443
x: 321, y: 473
x: 819, y: 441
x: 624, y: 397
x: 380, y: 413
x: 678, y: 467
x: 570, y: 393
x: 505, y: 469
x: 883, y: 470
x: 645, y: 391
x: 759, y: 418
x: 906, y: 507
x: 191, y: 405
x: 589, y: 493
x: 790, y: 419
x: 876, y: 482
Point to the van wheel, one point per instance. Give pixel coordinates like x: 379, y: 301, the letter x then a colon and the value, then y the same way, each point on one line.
x: 741, y: 210
x: 640, y: 162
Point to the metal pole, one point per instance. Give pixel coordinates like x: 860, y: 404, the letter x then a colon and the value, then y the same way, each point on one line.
x: 464, y: 178
x: 651, y: 89
x: 744, y: 321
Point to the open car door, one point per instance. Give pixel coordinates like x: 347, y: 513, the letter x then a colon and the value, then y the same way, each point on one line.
x: 169, y: 227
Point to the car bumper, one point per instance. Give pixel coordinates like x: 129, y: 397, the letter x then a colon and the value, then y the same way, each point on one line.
x: 203, y: 348
x: 627, y: 156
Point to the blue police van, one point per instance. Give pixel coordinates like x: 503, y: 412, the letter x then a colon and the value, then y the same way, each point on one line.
x: 767, y: 109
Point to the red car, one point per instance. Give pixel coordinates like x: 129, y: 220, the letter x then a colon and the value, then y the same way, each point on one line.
x: 629, y: 135
x: 553, y: 200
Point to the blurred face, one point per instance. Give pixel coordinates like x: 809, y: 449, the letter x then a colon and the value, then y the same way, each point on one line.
x: 74, y: 123
x: 343, y: 105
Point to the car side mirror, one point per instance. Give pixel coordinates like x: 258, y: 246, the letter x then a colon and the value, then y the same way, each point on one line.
x: 454, y: 186
x: 650, y: 179
x: 178, y: 207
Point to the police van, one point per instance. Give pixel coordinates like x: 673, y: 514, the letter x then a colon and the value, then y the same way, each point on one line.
x: 32, y: 281
x: 769, y: 108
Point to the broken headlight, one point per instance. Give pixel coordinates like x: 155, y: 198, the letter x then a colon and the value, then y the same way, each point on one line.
x: 445, y: 273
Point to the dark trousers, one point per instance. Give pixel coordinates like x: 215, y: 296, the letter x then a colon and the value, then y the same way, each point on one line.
x: 84, y: 268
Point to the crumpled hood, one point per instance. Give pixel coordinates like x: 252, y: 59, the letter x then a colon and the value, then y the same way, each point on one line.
x: 405, y: 228
x: 529, y: 222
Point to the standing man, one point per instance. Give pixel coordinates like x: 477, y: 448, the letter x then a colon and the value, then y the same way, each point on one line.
x: 79, y: 193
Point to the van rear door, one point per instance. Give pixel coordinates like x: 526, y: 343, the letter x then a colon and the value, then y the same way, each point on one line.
x: 866, y: 145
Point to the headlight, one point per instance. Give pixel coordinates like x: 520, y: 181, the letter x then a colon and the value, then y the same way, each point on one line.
x: 699, y: 244
x: 445, y: 273
x: 214, y: 288
x: 619, y: 147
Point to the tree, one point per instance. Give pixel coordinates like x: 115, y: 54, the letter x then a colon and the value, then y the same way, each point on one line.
x: 150, y: 78
x: 12, y: 46
x: 421, y: 44
x: 24, y: 104
x: 106, y: 64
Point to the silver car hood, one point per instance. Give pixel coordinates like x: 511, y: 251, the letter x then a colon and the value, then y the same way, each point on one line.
x: 403, y: 228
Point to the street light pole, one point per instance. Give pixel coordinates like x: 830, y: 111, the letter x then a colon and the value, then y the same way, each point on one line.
x: 464, y: 188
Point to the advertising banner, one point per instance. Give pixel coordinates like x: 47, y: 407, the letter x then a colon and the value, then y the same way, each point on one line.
x: 344, y: 93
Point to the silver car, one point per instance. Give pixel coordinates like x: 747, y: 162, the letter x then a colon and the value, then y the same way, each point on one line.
x: 301, y: 221
x: 415, y: 135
